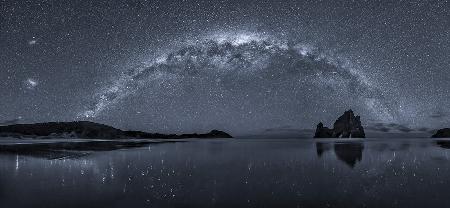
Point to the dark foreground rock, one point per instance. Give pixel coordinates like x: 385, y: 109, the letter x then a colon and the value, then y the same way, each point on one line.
x: 442, y: 133
x: 346, y: 126
x: 91, y: 130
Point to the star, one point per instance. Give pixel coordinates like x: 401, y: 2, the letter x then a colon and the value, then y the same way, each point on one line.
x: 31, y: 83
x: 32, y: 42
x: 191, y: 64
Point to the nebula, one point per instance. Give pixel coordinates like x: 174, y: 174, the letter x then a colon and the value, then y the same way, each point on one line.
x: 242, y: 78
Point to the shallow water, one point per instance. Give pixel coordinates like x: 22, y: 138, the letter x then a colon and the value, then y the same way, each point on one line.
x: 237, y: 173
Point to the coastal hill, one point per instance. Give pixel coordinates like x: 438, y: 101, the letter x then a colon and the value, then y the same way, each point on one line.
x: 91, y: 130
x: 442, y: 133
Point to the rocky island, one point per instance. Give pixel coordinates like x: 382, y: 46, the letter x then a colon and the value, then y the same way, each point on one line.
x: 442, y: 133
x: 91, y: 130
x: 346, y: 126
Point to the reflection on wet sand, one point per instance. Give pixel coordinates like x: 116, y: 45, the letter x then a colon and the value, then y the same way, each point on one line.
x: 70, y: 149
x: 322, y: 147
x: 232, y: 173
x: 348, y: 152
x: 444, y: 144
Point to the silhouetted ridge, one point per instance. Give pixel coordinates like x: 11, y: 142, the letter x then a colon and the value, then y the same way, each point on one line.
x: 91, y: 130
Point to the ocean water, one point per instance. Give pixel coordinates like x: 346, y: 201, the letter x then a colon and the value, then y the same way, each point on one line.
x: 236, y: 173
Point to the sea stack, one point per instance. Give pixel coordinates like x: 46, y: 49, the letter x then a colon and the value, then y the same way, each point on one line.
x: 346, y: 126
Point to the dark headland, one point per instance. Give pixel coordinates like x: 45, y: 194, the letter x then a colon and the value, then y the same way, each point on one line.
x: 91, y: 130
x: 96, y: 137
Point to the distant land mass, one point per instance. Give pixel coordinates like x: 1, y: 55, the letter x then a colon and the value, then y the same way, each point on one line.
x: 442, y: 133
x: 91, y: 130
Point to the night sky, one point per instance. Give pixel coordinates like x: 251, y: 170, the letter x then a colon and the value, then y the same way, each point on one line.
x: 239, y: 66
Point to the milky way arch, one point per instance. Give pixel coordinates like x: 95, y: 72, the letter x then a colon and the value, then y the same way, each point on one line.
x: 245, y: 74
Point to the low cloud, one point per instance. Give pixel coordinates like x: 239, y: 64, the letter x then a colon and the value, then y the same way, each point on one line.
x: 393, y: 127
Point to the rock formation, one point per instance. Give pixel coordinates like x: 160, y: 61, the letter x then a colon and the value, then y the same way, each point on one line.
x: 442, y: 133
x: 91, y: 130
x: 346, y: 126
x: 323, y: 132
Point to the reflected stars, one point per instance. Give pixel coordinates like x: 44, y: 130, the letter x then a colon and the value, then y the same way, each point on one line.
x: 32, y: 41
x: 282, y: 170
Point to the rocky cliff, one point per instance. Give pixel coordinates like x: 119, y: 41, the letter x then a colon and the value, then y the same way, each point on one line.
x: 346, y: 126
